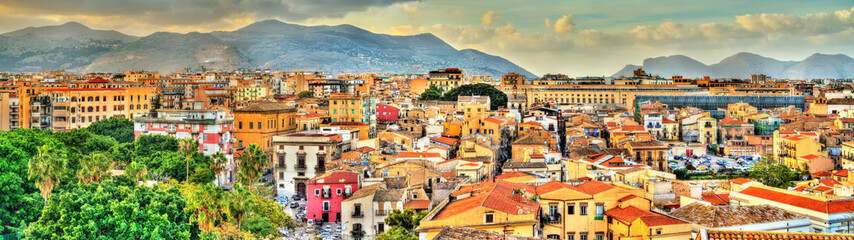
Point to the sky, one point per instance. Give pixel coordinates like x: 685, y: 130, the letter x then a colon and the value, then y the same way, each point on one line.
x: 574, y: 37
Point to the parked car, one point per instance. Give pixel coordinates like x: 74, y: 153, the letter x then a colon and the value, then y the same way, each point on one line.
x: 294, y: 204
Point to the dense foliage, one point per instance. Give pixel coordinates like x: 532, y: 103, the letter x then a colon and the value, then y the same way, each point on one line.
x: 120, y: 129
x: 305, y: 94
x: 58, y: 185
x: 773, y: 173
x: 402, y: 225
x: 497, y: 98
x: 432, y: 93
x: 114, y: 210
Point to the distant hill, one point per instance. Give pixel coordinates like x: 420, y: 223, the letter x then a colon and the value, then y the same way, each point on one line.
x: 267, y: 44
x: 69, y: 46
x: 743, y: 64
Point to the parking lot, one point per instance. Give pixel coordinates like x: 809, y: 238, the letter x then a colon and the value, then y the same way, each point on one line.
x: 712, y: 163
x: 307, y: 229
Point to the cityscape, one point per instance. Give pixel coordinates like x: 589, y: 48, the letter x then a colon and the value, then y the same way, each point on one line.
x: 426, y: 120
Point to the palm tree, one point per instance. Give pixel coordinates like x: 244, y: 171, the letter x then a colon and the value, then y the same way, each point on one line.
x: 218, y: 165
x: 137, y: 171
x: 253, y: 161
x: 94, y: 167
x: 46, y: 166
x: 189, y: 147
x: 239, y: 204
x: 207, y: 203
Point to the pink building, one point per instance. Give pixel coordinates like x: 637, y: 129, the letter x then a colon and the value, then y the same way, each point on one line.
x: 327, y: 191
x: 387, y: 113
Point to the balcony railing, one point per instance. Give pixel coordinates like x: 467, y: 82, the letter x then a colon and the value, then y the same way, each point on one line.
x: 553, y: 219
x: 381, y: 212
x: 300, y: 167
x: 358, y: 214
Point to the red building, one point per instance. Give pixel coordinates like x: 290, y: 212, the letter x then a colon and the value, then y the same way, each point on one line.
x: 387, y: 113
x: 326, y: 192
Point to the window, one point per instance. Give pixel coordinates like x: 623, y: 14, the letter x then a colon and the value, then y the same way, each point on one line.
x: 259, y: 125
x: 570, y: 209
x: 582, y: 209
x: 325, y: 205
x: 251, y: 125
x: 338, y: 191
x: 301, y: 148
x: 583, y: 236
x: 348, y: 190
x: 281, y: 161
x: 320, y: 148
x: 488, y: 218
x: 658, y: 231
x: 600, y: 210
x: 317, y: 192
x: 600, y: 237
x: 553, y: 236
x: 380, y: 227
x: 570, y: 236
x: 553, y: 210
x: 281, y: 176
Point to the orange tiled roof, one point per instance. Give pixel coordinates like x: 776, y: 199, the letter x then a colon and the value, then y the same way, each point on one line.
x: 667, y: 120
x: 445, y: 140
x: 500, y: 198
x: 741, y: 180
x: 531, y: 123
x: 630, y: 214
x: 417, y: 204
x: 494, y: 120
x: 594, y: 187
x: 730, y: 121
x: 800, y: 201
x: 841, y: 173
x: 554, y: 185
x: 761, y: 235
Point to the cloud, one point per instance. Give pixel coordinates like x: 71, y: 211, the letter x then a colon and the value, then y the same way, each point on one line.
x: 817, y: 23
x: 192, y: 12
x: 548, y: 23
x: 489, y: 18
x: 413, y: 10
x: 564, y: 24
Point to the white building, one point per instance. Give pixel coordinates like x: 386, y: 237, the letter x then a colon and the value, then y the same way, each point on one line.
x: 300, y: 157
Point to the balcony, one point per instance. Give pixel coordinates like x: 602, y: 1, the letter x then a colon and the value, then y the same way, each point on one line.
x: 381, y: 212
x: 326, y: 194
x: 194, y: 130
x: 358, y: 214
x: 553, y: 219
x: 301, y: 167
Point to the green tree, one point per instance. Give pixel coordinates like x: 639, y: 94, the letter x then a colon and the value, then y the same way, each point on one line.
x: 46, y: 167
x: 20, y: 202
x: 407, y: 219
x: 189, y: 147
x: 218, y: 165
x: 305, y: 94
x: 497, y: 98
x: 773, y: 173
x: 94, y: 167
x: 253, y: 161
x: 396, y: 233
x: 207, y: 203
x: 137, y: 171
x: 147, y: 145
x: 114, y: 210
x: 120, y: 129
x: 432, y: 93
x: 202, y: 175
x: 122, y: 153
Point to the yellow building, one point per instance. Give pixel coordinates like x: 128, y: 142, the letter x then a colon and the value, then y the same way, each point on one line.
x: 250, y: 92
x: 578, y: 212
x: 789, y: 149
x: 846, y: 158
x: 500, y: 207
x: 71, y: 108
x: 708, y: 130
x: 740, y: 111
x: 345, y: 107
x: 630, y: 222
x: 651, y: 153
x: 451, y: 129
x: 258, y: 122
x: 446, y: 79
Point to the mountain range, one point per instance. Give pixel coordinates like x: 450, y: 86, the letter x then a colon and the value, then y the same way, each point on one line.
x: 743, y: 64
x: 266, y: 44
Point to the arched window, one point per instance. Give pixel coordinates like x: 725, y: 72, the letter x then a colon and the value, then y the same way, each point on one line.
x: 90, y: 109
x: 131, y: 107
x: 89, y: 99
x: 73, y: 99
x: 138, y: 107
x: 145, y: 106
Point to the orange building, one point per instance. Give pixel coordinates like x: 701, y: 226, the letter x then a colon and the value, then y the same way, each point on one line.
x: 259, y: 121
x: 63, y: 108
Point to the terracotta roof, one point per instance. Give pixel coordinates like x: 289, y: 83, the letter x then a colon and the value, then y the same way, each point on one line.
x: 418, y: 155
x: 594, y: 187
x: 511, y: 174
x: 821, y: 174
x: 730, y: 121
x: 417, y: 204
x: 389, y: 195
x: 740, y: 180
x: 554, y: 185
x: 801, y: 201
x: 762, y: 235
x: 630, y: 214
x: 264, y: 107
x: 531, y: 139
x: 335, y: 177
x: 365, y: 191
x: 494, y: 120
x: 715, y: 198
x: 734, y: 215
x: 828, y: 182
x: 531, y: 123
x: 500, y: 198
x: 98, y: 80
x: 841, y: 173
x: 667, y: 120
x: 445, y: 140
